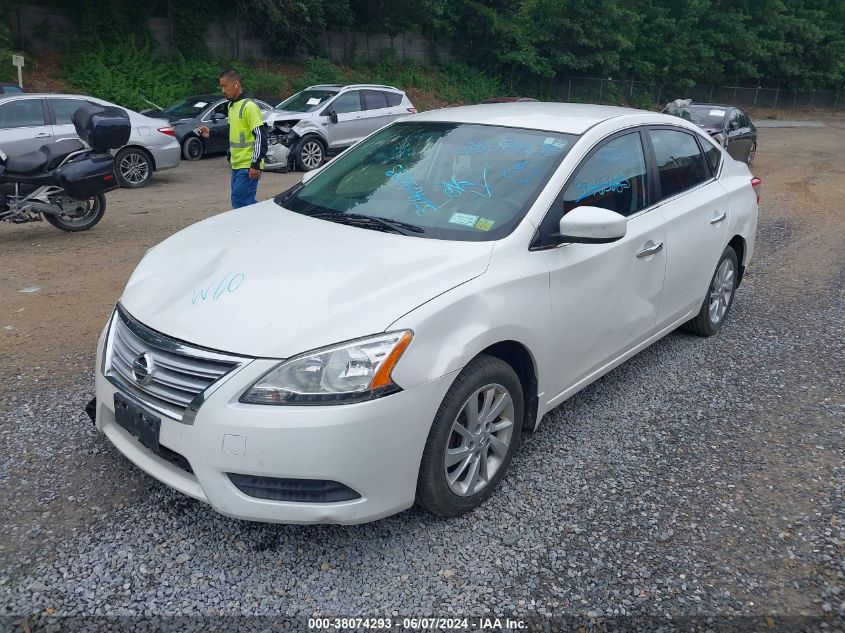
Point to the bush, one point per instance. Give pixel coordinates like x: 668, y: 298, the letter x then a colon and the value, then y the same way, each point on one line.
x: 318, y: 70
x: 459, y: 82
x: 132, y: 77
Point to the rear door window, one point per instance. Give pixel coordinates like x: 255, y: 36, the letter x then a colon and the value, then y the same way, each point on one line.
x: 22, y: 113
x: 374, y: 100
x: 63, y: 109
x: 713, y: 156
x: 679, y: 161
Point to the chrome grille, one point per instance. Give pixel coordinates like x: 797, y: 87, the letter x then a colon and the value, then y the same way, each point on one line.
x: 180, y: 373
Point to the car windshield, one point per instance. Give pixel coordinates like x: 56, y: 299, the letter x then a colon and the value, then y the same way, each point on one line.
x: 306, y: 101
x: 187, y: 108
x: 702, y: 116
x: 453, y: 181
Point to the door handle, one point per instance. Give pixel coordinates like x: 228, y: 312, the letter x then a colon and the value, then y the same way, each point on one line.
x: 650, y: 250
x: 42, y: 135
x: 719, y: 217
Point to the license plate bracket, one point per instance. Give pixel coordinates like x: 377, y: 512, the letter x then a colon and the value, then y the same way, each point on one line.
x: 143, y: 426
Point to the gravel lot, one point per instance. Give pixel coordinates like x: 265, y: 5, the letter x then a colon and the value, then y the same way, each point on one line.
x: 701, y: 479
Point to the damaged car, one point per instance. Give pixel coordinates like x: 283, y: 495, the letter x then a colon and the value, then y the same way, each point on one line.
x: 728, y: 125
x: 324, y: 120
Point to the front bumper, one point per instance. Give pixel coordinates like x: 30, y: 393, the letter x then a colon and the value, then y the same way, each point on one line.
x: 373, y: 447
x: 277, y: 157
x: 166, y: 156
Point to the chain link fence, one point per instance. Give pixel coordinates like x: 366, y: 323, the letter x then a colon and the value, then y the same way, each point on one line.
x: 640, y: 94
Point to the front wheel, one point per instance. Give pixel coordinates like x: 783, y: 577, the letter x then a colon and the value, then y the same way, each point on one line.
x: 79, y: 215
x: 309, y: 153
x: 134, y: 168
x: 719, y: 299
x: 473, y: 438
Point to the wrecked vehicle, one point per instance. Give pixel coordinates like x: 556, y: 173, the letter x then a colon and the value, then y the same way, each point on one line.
x: 728, y: 125
x: 324, y: 120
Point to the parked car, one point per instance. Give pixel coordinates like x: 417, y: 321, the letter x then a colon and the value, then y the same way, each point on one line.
x: 405, y: 313
x: 326, y: 119
x: 28, y: 121
x: 209, y: 110
x: 731, y: 127
x: 7, y: 88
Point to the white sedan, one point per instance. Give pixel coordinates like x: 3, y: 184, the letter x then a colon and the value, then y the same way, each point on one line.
x: 384, y: 332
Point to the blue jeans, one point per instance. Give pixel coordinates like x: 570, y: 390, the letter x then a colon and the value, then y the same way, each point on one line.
x: 243, y: 189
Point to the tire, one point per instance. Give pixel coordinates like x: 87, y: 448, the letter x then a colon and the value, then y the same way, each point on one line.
x: 133, y: 167
x: 192, y: 148
x: 752, y: 152
x: 309, y: 153
x: 719, y: 298
x: 72, y: 224
x: 449, y: 489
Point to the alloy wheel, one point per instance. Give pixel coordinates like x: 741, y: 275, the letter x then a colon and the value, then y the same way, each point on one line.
x: 721, y: 291
x: 134, y: 168
x: 312, y: 154
x: 479, y: 439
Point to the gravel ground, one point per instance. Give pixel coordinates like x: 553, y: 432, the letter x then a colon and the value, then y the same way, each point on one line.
x: 703, y: 479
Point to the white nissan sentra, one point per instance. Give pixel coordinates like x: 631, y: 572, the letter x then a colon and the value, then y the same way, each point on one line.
x: 383, y: 332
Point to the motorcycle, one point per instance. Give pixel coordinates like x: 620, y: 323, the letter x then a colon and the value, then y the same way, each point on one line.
x: 65, y: 182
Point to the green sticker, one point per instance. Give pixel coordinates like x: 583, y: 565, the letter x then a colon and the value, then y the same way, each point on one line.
x: 463, y: 218
x: 484, y: 224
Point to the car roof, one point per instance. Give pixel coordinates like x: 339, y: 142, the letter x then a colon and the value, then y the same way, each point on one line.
x: 566, y: 118
x: 340, y: 87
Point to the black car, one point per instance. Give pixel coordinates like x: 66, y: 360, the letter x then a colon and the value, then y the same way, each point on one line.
x: 729, y: 125
x: 192, y: 112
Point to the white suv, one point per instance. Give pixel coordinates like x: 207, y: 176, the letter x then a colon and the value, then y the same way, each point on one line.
x: 325, y: 119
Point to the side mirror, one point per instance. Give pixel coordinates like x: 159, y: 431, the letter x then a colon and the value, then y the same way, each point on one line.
x: 218, y: 116
x: 591, y: 225
x: 333, y: 116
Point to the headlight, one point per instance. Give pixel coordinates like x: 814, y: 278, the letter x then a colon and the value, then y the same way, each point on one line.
x: 342, y: 374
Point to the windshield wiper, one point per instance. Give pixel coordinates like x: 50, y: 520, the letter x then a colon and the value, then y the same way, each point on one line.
x: 371, y: 221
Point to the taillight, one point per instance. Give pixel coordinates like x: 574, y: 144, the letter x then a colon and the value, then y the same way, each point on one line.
x: 412, y: 110
x: 167, y: 130
x: 756, y: 182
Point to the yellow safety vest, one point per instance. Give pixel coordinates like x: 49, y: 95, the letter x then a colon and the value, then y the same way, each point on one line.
x: 244, y: 117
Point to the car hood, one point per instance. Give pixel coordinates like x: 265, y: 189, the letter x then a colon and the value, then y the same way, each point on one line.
x: 286, y: 115
x: 264, y: 281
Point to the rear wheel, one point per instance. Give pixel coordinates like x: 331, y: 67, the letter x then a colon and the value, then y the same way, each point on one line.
x: 79, y: 215
x: 720, y: 297
x: 192, y: 148
x: 309, y: 153
x: 752, y: 152
x: 134, y: 168
x: 473, y: 438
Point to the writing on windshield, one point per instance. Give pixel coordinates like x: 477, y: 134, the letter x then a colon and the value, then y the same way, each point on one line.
x: 452, y: 179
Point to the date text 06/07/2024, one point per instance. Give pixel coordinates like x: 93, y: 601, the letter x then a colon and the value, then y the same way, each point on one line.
x: 415, y: 624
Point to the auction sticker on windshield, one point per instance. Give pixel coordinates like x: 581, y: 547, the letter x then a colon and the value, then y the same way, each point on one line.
x: 463, y: 218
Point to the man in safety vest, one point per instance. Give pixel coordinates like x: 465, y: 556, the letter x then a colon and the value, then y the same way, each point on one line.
x: 247, y: 139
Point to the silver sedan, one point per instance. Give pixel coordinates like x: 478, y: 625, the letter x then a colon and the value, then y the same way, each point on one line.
x: 28, y: 121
